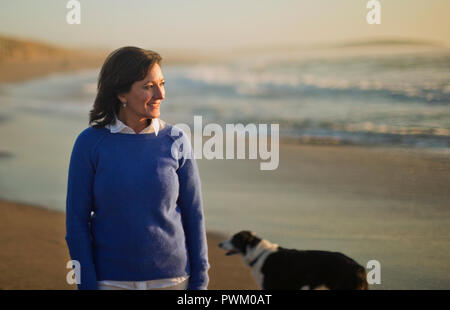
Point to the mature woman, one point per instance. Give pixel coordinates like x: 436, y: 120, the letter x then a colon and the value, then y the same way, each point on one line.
x: 134, y: 214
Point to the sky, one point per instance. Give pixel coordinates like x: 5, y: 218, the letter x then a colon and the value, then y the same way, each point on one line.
x: 216, y: 24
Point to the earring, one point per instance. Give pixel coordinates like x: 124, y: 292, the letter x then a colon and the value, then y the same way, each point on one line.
x: 124, y: 104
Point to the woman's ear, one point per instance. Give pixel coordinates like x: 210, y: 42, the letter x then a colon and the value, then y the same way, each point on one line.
x: 122, y: 98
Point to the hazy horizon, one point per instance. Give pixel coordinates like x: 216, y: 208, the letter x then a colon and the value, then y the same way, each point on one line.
x: 212, y: 25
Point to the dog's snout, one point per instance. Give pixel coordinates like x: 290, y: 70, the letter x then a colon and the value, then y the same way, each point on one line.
x: 226, y: 245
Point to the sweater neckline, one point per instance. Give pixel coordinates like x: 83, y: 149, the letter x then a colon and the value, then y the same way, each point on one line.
x: 163, y: 132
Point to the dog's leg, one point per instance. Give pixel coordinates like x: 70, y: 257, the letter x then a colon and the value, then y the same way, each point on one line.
x: 305, y: 287
x: 320, y: 288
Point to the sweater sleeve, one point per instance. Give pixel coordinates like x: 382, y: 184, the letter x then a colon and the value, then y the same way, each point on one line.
x: 191, y: 205
x: 79, y: 204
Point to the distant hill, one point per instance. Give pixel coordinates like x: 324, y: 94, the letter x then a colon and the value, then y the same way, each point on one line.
x: 18, y: 50
x: 24, y: 50
x: 389, y: 42
x: 23, y: 59
x: 362, y: 44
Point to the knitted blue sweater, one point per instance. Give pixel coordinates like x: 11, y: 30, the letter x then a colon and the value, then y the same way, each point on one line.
x: 134, y: 208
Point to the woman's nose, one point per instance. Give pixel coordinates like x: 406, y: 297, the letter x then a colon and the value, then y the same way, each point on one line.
x: 159, y: 93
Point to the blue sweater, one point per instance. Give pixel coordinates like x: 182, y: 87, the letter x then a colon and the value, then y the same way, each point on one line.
x: 134, y: 210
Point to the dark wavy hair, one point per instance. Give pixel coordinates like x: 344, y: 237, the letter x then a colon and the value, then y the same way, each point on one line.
x: 121, y: 69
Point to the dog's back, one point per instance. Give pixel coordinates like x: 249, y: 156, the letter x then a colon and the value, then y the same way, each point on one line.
x: 294, y: 269
x: 275, y: 267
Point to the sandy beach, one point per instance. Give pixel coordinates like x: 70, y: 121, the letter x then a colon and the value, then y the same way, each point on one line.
x: 33, y: 251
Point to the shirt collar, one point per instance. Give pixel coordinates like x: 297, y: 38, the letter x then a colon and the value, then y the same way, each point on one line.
x: 118, y: 126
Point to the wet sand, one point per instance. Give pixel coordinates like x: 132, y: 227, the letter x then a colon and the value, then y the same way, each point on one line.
x: 370, y: 203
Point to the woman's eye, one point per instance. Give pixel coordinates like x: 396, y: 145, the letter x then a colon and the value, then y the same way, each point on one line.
x: 152, y: 85
x: 163, y: 83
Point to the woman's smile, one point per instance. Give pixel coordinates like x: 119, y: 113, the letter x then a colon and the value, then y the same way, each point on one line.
x: 153, y: 107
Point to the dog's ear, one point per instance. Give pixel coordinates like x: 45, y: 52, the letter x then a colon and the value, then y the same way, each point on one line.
x: 253, y: 240
x: 244, y: 233
x: 244, y: 239
x: 239, y: 241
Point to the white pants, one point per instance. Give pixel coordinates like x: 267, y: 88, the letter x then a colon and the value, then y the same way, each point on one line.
x: 142, y: 285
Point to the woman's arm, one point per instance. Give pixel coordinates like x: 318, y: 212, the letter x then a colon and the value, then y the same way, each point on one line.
x: 78, y: 209
x: 190, y: 203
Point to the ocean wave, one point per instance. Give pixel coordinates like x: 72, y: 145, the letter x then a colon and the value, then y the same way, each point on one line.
x: 278, y: 84
x: 350, y: 127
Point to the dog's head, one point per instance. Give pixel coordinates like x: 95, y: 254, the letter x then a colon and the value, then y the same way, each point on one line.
x: 240, y: 242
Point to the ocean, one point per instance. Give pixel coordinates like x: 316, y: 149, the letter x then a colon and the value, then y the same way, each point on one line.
x: 328, y: 97
x: 396, y: 97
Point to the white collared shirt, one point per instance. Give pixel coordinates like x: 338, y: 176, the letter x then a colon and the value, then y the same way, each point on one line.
x: 119, y: 127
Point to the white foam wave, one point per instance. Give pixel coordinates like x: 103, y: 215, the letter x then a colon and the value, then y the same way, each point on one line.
x: 250, y: 82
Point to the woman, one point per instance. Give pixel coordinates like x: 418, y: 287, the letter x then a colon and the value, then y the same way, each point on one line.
x: 134, y: 217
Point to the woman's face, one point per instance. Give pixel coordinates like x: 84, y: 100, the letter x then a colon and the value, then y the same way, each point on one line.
x: 145, y: 96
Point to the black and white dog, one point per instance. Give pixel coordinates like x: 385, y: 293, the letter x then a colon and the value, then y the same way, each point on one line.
x: 275, y: 267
